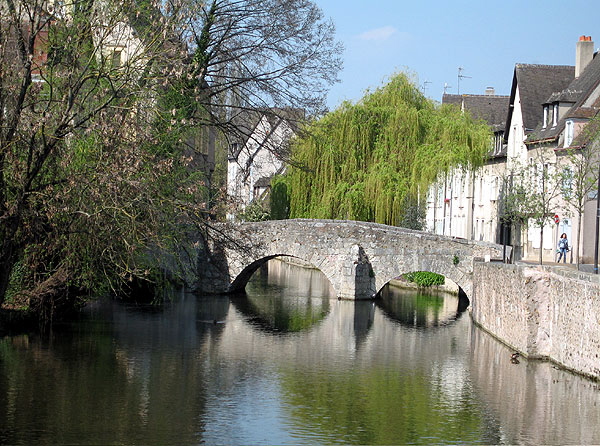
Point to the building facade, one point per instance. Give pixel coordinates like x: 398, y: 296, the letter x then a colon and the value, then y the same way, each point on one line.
x: 540, y: 131
x: 257, y: 156
x: 463, y: 203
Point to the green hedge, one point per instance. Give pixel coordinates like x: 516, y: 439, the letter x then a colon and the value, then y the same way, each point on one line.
x: 425, y: 278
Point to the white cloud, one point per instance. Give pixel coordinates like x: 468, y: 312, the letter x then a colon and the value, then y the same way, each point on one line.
x: 378, y: 34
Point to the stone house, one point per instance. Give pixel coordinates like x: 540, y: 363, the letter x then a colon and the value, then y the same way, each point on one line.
x: 258, y: 154
x: 532, y: 85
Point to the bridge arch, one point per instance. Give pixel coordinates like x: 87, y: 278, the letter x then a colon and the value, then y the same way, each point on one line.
x: 239, y: 282
x: 358, y: 258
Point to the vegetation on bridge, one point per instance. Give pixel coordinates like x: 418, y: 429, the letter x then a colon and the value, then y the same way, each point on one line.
x: 425, y: 278
x: 374, y: 160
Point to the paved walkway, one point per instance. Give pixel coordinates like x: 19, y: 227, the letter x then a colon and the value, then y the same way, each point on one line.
x: 583, y: 267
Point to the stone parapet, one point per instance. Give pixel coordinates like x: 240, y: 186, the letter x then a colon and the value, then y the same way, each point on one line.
x: 544, y: 312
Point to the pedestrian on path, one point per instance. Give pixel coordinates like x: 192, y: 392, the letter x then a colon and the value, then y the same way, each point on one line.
x: 563, y: 248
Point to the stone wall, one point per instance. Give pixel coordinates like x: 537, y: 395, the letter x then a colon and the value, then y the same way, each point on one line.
x: 358, y: 258
x: 542, y: 311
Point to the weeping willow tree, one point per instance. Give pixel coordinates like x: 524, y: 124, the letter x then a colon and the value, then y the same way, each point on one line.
x: 369, y: 161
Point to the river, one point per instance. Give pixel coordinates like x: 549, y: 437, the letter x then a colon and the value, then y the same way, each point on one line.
x: 285, y: 364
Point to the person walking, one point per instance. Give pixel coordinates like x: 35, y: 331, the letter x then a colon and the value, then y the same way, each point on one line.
x: 563, y: 248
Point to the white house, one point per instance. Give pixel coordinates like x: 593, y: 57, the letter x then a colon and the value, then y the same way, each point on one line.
x: 546, y: 112
x: 259, y: 155
x: 463, y: 203
x: 565, y: 114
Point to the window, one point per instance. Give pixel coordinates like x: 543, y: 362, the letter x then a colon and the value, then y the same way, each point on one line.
x: 555, y: 115
x: 569, y: 132
x: 494, y: 189
x: 567, y: 177
x: 545, y: 123
x: 116, y: 58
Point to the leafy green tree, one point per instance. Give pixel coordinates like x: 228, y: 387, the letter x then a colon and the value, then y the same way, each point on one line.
x: 370, y: 161
x: 105, y: 107
x: 74, y: 179
x: 280, y: 199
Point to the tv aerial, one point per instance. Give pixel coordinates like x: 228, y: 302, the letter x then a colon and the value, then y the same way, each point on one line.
x: 461, y: 76
x: 424, y: 87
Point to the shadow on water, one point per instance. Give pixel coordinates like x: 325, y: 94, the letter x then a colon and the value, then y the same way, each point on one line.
x: 421, y: 309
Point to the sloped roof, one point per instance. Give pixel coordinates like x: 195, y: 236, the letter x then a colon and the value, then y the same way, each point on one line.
x: 536, y: 83
x: 263, y: 182
x: 493, y: 109
x: 590, y: 132
x: 577, y: 92
x: 246, y: 121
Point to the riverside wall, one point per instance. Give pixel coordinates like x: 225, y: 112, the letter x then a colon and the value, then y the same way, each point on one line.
x: 544, y: 312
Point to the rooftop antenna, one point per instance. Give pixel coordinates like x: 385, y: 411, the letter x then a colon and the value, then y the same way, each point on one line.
x: 461, y: 76
x: 425, y: 83
x: 446, y: 87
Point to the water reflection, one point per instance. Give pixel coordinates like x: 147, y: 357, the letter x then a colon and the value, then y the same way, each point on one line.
x: 420, y: 309
x: 357, y: 373
x: 284, y: 298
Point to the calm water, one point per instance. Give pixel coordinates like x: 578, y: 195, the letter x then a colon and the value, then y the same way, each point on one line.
x: 285, y: 365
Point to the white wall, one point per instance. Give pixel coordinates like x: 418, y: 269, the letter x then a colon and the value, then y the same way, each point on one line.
x: 257, y: 159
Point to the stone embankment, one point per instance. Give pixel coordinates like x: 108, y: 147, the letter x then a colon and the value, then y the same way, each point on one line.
x: 544, y: 312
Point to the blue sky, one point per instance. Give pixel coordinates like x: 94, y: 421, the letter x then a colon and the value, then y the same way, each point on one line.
x: 432, y: 39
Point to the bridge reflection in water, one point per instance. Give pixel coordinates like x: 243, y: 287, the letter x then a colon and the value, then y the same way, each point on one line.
x: 405, y: 368
x: 286, y: 365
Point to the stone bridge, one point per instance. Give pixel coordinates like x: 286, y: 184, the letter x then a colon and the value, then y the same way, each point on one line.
x: 358, y: 258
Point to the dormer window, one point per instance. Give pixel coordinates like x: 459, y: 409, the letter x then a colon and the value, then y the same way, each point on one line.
x: 545, y: 121
x: 569, y: 132
x: 555, y: 115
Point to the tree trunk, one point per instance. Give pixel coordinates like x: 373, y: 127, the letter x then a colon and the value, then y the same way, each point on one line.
x: 541, y: 243
x: 6, y: 266
x: 8, y: 255
x: 579, y: 245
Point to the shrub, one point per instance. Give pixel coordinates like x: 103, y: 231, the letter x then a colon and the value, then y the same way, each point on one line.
x: 255, y: 212
x: 425, y: 278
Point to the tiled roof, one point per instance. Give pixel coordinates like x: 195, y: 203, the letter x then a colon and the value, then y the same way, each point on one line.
x: 536, y: 83
x: 577, y: 92
x: 491, y: 108
x: 263, y: 182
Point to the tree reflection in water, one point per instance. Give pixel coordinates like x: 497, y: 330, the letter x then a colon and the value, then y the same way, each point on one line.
x: 400, y: 370
x: 422, y: 308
